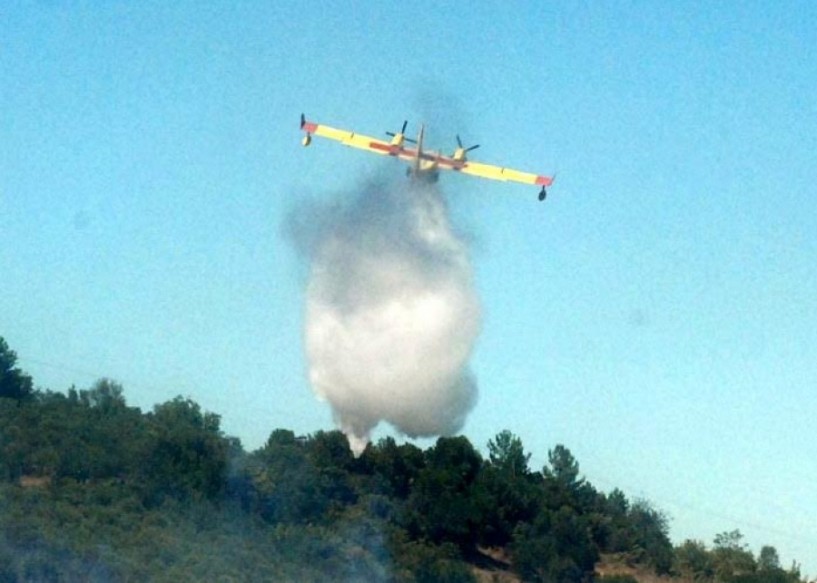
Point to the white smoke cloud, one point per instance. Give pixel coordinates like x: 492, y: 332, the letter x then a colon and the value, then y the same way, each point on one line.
x: 391, y: 312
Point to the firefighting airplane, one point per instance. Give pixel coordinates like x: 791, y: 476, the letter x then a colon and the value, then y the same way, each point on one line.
x: 423, y: 165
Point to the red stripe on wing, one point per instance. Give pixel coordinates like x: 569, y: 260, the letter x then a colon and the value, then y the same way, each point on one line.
x: 453, y: 164
x: 408, y: 152
x: 389, y: 149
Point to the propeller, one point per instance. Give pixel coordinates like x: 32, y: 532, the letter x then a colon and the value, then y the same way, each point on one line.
x: 459, y: 143
x: 402, y: 133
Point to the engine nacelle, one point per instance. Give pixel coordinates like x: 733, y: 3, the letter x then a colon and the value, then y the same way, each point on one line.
x: 306, y: 140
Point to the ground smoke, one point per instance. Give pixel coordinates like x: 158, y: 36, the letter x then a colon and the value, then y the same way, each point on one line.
x: 391, y: 313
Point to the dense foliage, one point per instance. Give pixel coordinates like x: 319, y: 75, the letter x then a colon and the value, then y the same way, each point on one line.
x: 94, y: 490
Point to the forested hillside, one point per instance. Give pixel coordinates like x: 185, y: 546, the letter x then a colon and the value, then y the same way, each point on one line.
x: 94, y: 490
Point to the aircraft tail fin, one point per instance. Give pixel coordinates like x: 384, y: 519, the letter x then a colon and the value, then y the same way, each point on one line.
x: 419, y: 157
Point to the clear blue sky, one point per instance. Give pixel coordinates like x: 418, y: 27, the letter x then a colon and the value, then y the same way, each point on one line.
x: 658, y: 314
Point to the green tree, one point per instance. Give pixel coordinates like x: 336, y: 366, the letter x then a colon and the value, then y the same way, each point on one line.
x: 100, y: 436
x: 650, y: 533
x: 616, y: 535
x: 395, y: 467
x: 768, y: 559
x: 507, y: 456
x: 105, y: 396
x: 329, y: 453
x: 511, y: 491
x: 557, y: 544
x: 288, y: 486
x: 186, y: 453
x: 769, y: 569
x: 444, y: 505
x: 563, y: 468
x: 554, y: 548
x: 731, y: 557
x: 694, y: 561
x: 562, y: 484
x: 14, y: 383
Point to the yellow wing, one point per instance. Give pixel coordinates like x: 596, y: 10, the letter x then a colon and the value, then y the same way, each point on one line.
x: 347, y: 138
x: 503, y: 174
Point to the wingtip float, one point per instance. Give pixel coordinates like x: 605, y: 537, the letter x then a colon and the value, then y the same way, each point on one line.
x: 423, y: 165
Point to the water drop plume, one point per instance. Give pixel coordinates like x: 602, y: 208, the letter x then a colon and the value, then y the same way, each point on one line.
x: 391, y: 311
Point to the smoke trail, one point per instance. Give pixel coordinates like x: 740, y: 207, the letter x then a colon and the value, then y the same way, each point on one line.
x: 391, y: 313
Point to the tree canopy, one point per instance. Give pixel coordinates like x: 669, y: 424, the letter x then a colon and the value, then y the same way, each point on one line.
x: 14, y: 383
x: 92, y: 489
